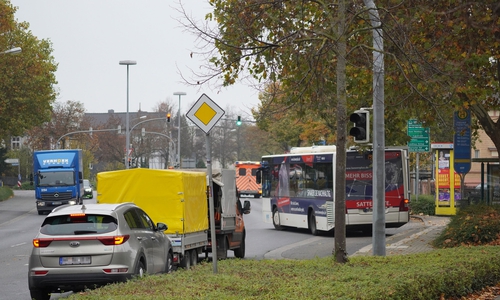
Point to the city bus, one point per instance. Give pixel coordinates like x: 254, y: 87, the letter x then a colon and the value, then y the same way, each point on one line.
x: 245, y: 178
x: 298, y: 189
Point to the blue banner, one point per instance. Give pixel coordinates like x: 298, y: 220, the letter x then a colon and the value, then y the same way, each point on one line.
x: 462, y: 141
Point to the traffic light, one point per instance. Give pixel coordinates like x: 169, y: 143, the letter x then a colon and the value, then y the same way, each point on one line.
x: 168, y: 117
x: 361, y: 129
x: 238, y: 122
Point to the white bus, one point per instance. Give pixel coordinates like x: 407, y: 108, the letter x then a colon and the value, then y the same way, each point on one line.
x: 298, y: 189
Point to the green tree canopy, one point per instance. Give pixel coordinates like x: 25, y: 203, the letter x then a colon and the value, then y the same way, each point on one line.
x: 27, y: 79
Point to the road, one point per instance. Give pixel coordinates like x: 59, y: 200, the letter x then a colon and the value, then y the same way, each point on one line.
x: 263, y: 241
x: 19, y: 223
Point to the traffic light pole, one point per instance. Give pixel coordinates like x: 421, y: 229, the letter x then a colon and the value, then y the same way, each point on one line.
x: 378, y: 236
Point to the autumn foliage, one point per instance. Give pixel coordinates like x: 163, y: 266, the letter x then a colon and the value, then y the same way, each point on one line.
x: 472, y: 226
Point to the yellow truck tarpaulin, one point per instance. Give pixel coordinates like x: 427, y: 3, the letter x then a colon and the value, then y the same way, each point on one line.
x: 176, y: 198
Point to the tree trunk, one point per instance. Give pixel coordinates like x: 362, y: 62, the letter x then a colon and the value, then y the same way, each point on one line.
x: 339, y: 250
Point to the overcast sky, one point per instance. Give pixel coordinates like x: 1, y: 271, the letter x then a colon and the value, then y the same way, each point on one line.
x: 90, y: 37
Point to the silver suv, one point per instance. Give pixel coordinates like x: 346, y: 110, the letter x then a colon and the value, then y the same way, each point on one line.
x: 90, y: 245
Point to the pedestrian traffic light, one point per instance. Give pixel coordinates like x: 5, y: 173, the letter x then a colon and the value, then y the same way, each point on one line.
x: 168, y: 117
x: 361, y: 129
x: 238, y: 122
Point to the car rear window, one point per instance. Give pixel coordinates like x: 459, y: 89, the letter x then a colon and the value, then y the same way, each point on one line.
x: 78, y: 224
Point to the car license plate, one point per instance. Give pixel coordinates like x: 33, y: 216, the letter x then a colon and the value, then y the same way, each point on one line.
x: 74, y: 260
x: 57, y: 203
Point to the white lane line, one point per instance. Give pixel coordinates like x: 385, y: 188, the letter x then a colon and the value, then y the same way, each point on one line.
x: 276, y: 253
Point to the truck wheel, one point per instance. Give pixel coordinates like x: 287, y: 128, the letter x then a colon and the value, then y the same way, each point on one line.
x: 39, y: 294
x: 312, y: 223
x: 194, y: 257
x: 240, y: 252
x: 276, y: 219
x: 186, y: 260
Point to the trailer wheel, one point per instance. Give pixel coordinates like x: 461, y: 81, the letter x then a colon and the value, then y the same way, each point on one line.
x: 240, y: 252
x: 194, y: 257
x: 312, y: 223
x: 276, y: 219
x: 186, y: 260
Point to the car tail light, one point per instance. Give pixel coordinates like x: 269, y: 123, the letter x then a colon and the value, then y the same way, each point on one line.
x: 113, y: 240
x: 39, y: 273
x: 404, y: 205
x: 117, y: 270
x: 42, y: 243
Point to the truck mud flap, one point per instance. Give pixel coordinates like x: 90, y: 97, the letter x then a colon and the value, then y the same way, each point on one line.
x: 222, y: 247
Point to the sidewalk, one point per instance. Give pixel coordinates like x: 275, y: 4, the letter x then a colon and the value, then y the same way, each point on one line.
x: 413, y: 237
x: 416, y: 238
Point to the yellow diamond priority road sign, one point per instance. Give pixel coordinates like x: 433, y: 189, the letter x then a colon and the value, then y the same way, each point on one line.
x: 205, y: 113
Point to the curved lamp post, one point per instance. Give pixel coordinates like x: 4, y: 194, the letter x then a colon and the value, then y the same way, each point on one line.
x: 179, y: 129
x: 127, y: 131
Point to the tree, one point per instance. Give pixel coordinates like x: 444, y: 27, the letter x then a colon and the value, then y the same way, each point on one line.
x: 109, y: 146
x: 450, y: 50
x: 27, y: 79
x: 300, y: 46
x: 65, y: 118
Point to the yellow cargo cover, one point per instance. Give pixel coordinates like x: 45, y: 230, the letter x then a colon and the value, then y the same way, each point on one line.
x: 176, y: 198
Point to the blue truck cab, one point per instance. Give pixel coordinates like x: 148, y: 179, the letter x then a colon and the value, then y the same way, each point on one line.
x: 58, y: 178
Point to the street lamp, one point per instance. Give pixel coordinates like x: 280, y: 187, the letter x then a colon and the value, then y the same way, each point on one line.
x: 127, y: 131
x: 179, y: 129
x: 15, y: 50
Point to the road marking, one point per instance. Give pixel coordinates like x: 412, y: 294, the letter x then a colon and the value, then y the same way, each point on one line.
x: 17, y: 245
x: 18, y: 217
x: 276, y: 253
x: 399, y: 244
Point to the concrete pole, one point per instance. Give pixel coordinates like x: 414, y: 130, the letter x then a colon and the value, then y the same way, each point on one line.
x: 378, y: 132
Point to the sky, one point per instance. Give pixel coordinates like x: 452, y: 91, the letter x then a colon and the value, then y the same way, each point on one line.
x: 91, y: 37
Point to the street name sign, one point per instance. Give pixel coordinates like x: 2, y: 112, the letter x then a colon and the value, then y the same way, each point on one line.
x: 420, y: 137
x: 12, y: 161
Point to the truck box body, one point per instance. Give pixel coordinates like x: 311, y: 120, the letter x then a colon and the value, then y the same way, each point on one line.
x: 179, y: 199
x: 58, y: 178
x: 173, y: 197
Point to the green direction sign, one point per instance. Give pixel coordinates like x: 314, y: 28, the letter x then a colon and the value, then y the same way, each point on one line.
x: 420, y: 138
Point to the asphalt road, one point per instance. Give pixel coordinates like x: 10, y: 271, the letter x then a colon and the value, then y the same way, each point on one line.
x: 19, y: 223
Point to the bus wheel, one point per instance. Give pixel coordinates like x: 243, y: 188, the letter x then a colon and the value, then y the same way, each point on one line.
x: 276, y: 219
x: 312, y: 223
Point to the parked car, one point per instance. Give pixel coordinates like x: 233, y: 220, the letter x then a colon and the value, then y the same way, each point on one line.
x: 87, y: 189
x: 91, y: 245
